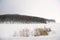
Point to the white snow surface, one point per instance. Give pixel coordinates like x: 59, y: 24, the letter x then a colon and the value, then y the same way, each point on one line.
x: 7, y: 30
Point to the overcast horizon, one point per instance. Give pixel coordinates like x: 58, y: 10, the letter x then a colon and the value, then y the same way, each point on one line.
x: 49, y: 9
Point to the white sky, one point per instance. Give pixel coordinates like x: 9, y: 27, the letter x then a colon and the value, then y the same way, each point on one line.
x: 42, y: 8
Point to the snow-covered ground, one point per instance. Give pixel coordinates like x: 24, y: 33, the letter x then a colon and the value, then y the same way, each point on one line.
x: 7, y: 31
